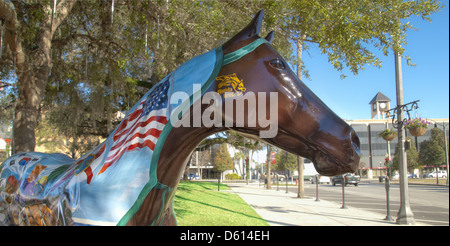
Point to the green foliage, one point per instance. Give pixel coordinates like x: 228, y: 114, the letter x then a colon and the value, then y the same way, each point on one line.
x: 97, y: 62
x: 7, y: 99
x: 432, y: 151
x: 345, y: 30
x: 222, y: 160
x: 285, y: 161
x: 387, y: 134
x: 232, y: 176
x: 412, y: 157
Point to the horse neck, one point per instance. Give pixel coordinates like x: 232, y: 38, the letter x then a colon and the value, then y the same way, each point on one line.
x: 177, y: 150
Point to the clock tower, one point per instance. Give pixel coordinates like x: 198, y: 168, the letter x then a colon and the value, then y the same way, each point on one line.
x: 379, y: 104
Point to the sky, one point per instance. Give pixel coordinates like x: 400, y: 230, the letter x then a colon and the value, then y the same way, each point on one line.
x: 428, y: 81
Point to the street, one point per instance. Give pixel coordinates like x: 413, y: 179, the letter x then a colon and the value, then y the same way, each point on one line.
x: 429, y: 203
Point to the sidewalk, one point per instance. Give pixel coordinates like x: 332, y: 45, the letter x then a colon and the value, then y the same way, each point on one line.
x: 279, y: 208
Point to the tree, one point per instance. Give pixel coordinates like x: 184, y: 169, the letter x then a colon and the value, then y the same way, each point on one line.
x: 344, y: 30
x: 222, y: 161
x: 411, y: 154
x: 437, y: 135
x: 49, y: 139
x: 6, y: 104
x: 245, y: 146
x: 285, y: 161
x: 85, y: 57
x: 432, y: 151
x: 81, y: 61
x: 30, y: 28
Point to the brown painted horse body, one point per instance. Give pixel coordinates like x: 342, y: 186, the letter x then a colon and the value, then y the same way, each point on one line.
x: 306, y: 126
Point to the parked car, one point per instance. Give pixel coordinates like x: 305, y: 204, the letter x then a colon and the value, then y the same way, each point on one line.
x: 193, y: 176
x: 349, y: 178
x: 441, y: 174
x: 322, y: 179
x: 412, y: 176
x: 280, y: 177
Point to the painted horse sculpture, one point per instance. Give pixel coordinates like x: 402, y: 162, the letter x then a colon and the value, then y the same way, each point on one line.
x: 131, y: 178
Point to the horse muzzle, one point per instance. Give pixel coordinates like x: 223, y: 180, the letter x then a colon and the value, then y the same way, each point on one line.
x: 344, y: 159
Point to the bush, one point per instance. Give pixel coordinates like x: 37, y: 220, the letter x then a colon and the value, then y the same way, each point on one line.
x: 232, y: 176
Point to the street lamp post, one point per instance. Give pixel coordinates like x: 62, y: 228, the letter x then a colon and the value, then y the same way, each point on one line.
x: 278, y: 185
x: 387, y: 183
x: 405, y: 215
x: 286, y: 176
x: 387, y: 186
x: 317, y: 187
x: 343, y: 193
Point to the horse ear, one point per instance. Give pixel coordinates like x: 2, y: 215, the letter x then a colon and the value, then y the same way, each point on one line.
x: 269, y: 37
x: 251, y: 30
x: 255, y: 25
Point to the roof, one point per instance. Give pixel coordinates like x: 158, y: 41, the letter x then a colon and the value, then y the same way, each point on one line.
x: 380, y: 97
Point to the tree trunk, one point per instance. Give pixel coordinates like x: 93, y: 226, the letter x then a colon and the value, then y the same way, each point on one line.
x: 301, y: 180
x: 300, y: 160
x: 32, y: 66
x: 31, y: 88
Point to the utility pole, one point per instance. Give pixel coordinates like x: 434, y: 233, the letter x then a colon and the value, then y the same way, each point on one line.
x: 405, y: 215
x: 269, y: 185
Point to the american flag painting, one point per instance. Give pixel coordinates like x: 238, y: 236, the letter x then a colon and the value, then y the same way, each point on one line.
x: 142, y: 127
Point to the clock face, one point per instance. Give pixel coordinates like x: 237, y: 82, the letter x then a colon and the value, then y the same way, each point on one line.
x: 383, y: 105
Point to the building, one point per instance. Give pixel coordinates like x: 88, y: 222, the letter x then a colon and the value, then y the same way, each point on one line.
x: 202, y: 162
x: 374, y: 148
x: 378, y: 105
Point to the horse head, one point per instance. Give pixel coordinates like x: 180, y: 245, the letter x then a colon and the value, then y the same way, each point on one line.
x: 302, y: 123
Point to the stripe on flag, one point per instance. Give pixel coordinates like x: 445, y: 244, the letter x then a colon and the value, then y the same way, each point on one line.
x: 142, y: 127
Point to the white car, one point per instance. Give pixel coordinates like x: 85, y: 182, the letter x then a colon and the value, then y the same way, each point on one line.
x: 322, y: 180
x: 441, y: 174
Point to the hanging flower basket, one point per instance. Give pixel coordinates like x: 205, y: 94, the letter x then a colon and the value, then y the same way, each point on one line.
x: 417, y: 126
x: 417, y: 131
x: 388, y: 135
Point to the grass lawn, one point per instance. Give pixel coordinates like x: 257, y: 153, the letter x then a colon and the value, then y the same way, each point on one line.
x: 200, y: 204
x: 442, y: 181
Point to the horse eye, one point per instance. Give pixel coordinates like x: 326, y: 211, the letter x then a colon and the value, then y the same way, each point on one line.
x: 277, y: 63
